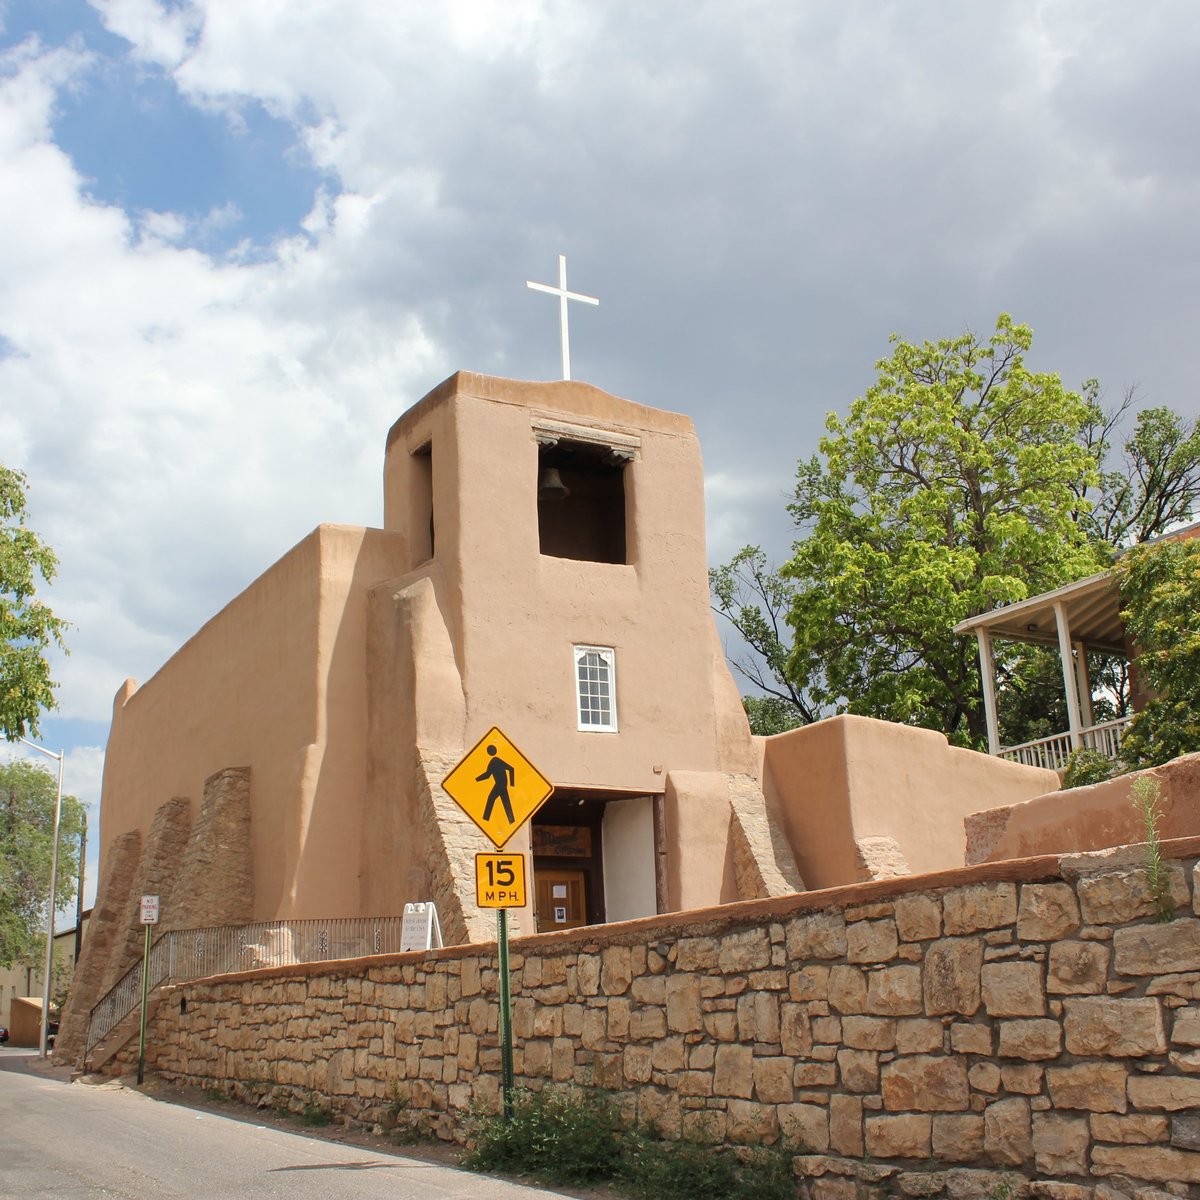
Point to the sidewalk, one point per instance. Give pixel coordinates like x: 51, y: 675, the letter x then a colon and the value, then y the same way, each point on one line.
x: 25, y: 1060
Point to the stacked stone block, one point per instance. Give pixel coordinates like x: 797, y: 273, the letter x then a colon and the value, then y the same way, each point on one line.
x: 1025, y: 1026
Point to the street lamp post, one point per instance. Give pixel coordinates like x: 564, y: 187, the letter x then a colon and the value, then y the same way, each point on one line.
x: 53, y: 888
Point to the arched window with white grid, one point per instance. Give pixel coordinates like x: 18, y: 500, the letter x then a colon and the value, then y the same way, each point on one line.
x: 596, y: 689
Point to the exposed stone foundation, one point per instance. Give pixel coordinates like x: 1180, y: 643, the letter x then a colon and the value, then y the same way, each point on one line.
x: 106, y: 927
x: 1024, y: 1028
x: 202, y: 874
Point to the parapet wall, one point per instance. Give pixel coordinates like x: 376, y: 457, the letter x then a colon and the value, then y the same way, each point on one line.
x: 1022, y: 1028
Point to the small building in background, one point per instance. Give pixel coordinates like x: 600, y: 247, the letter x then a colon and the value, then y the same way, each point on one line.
x: 22, y: 983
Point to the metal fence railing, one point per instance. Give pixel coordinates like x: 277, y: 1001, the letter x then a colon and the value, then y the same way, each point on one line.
x: 181, y: 954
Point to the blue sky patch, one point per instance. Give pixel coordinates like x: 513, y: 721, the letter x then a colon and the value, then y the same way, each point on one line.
x: 142, y: 146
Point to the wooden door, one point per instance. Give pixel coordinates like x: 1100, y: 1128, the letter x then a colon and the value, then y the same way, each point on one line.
x: 560, y: 899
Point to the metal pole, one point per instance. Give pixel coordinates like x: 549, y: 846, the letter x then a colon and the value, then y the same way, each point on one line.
x: 49, y: 964
x: 145, y: 992
x: 506, y: 1049
x: 79, y: 893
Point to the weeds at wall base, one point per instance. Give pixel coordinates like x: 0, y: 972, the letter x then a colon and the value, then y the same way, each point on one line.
x: 570, y: 1137
x: 1145, y: 794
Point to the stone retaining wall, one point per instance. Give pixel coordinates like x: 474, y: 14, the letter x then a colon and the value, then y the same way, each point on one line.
x: 1025, y: 1025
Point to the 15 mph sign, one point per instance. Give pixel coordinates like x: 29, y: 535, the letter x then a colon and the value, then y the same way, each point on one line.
x: 500, y: 880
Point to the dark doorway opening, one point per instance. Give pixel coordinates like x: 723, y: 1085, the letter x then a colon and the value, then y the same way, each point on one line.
x: 568, y: 861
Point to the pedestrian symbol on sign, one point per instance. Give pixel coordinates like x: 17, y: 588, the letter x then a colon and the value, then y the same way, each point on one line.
x: 503, y: 775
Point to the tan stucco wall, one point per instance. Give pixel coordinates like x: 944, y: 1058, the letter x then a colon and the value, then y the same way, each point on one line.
x: 700, y: 870
x: 849, y: 778
x: 354, y: 672
x: 273, y: 682
x: 514, y: 614
x: 1087, y: 818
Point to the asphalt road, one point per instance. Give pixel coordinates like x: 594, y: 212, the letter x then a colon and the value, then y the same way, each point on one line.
x: 65, y: 1141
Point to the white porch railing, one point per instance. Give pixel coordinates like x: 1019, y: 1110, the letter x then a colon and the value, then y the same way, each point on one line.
x: 1052, y: 752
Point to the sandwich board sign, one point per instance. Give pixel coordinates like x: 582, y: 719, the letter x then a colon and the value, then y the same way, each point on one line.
x: 420, y: 929
x: 497, y: 787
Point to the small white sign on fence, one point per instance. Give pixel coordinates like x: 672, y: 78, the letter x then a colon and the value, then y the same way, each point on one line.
x: 421, y: 930
x: 149, y: 910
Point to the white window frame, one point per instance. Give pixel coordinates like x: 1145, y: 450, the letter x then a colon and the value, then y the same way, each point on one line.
x: 608, y: 659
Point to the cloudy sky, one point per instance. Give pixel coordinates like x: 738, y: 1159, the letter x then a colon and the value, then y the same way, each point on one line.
x: 239, y: 237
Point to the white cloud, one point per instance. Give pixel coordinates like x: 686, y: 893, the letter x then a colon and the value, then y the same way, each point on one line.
x: 166, y: 397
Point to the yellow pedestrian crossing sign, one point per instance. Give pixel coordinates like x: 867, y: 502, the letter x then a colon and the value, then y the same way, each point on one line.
x: 497, y: 787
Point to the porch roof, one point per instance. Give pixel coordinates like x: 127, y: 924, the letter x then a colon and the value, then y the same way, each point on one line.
x: 1092, y: 606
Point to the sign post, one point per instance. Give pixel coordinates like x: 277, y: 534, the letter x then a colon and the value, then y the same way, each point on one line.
x: 505, y: 1024
x: 500, y: 884
x: 149, y: 918
x: 499, y: 789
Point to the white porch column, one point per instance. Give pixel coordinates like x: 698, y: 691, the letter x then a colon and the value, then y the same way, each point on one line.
x: 1083, y: 681
x: 987, y: 674
x: 1068, y: 670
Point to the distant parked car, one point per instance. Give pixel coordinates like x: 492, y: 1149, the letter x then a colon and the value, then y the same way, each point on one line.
x: 3, y: 1035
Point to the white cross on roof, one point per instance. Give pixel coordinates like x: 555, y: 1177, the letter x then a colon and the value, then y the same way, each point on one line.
x: 563, y: 296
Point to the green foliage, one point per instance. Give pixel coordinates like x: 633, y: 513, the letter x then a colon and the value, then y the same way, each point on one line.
x: 1146, y: 794
x: 560, y: 1135
x: 571, y: 1137
x: 1160, y: 589
x: 770, y: 714
x: 27, y: 794
x: 960, y: 481
x: 316, y: 1112
x: 1086, y: 767
x: 948, y: 489
x: 27, y: 627
x: 1155, y: 483
x: 655, y: 1169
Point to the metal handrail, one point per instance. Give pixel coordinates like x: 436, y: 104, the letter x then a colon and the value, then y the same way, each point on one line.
x: 180, y: 954
x: 1052, y: 752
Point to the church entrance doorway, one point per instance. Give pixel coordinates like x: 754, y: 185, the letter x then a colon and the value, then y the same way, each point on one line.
x: 595, y: 858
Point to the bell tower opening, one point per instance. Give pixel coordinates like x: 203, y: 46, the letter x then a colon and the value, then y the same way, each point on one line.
x: 581, y: 502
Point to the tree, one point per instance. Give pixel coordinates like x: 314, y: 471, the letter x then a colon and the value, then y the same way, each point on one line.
x: 1154, y: 483
x: 756, y: 600
x: 27, y: 626
x: 951, y: 487
x: 27, y: 795
x: 1160, y: 589
x: 946, y: 491
x: 985, y: 461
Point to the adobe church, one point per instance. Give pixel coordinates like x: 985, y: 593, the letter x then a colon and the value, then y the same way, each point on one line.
x: 542, y: 568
